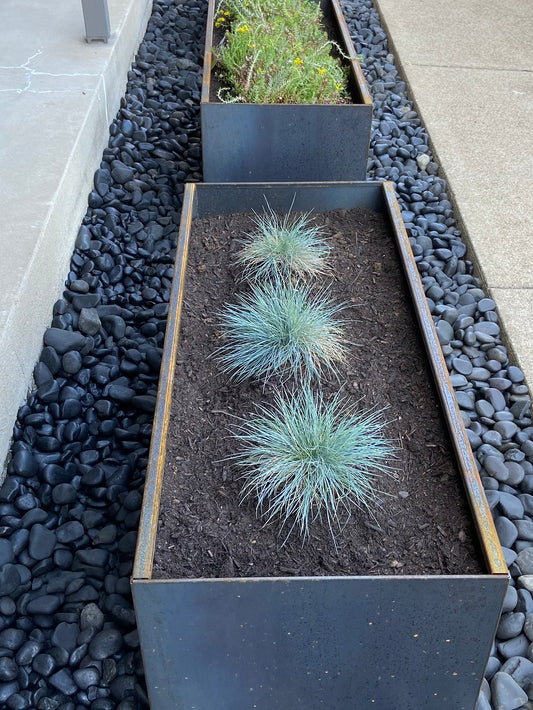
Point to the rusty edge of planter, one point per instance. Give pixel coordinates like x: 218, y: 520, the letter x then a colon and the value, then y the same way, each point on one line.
x: 489, y: 542
x: 474, y: 488
x: 144, y: 554
x: 358, y: 78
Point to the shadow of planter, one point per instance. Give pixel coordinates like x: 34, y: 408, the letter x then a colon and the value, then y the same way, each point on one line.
x: 286, y: 142
x: 390, y: 642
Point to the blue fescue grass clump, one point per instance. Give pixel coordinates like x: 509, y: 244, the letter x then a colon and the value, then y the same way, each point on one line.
x: 282, y: 246
x: 307, y: 458
x: 281, y: 328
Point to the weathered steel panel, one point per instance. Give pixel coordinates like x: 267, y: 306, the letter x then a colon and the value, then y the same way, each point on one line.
x: 260, y: 142
x: 390, y: 643
x: 226, y: 198
x: 483, y: 521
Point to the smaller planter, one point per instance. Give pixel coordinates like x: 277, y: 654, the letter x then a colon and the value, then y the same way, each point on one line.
x: 286, y: 142
x: 393, y: 642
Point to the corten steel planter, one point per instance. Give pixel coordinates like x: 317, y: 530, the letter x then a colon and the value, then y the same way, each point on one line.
x: 283, y: 142
x: 387, y: 642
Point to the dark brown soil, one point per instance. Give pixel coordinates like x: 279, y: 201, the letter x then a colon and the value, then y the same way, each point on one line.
x: 422, y: 524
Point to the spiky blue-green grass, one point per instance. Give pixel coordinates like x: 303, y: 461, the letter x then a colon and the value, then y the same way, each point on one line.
x: 307, y: 458
x: 283, y: 245
x: 283, y: 328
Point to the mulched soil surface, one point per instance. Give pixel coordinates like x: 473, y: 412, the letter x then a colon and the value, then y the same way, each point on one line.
x: 422, y: 524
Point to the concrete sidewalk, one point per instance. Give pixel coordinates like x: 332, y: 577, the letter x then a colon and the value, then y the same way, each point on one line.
x: 469, y: 67
x: 58, y: 96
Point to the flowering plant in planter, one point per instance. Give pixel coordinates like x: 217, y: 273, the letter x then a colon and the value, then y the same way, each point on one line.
x: 278, y: 51
x: 281, y: 99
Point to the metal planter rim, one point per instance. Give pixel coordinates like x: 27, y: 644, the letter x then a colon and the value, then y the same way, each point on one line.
x: 381, y: 193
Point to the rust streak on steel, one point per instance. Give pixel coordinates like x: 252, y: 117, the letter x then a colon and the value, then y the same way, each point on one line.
x: 208, y: 52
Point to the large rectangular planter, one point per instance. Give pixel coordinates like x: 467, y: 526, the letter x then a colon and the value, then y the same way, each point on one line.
x: 283, y: 142
x: 408, y: 642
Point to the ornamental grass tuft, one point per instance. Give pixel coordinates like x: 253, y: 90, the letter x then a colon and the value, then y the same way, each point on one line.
x: 306, y: 459
x: 276, y: 51
x: 282, y: 246
x: 281, y: 328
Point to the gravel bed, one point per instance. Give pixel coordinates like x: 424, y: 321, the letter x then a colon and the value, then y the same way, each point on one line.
x: 70, y: 506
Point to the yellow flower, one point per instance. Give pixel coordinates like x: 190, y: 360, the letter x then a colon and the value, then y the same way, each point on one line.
x: 338, y: 87
x: 243, y: 28
x: 223, y: 15
x: 321, y: 70
x: 298, y: 61
x: 251, y: 44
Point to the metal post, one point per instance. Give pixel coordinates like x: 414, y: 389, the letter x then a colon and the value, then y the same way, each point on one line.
x: 96, y: 17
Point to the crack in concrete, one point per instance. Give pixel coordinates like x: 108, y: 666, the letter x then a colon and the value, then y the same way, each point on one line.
x: 31, y: 73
